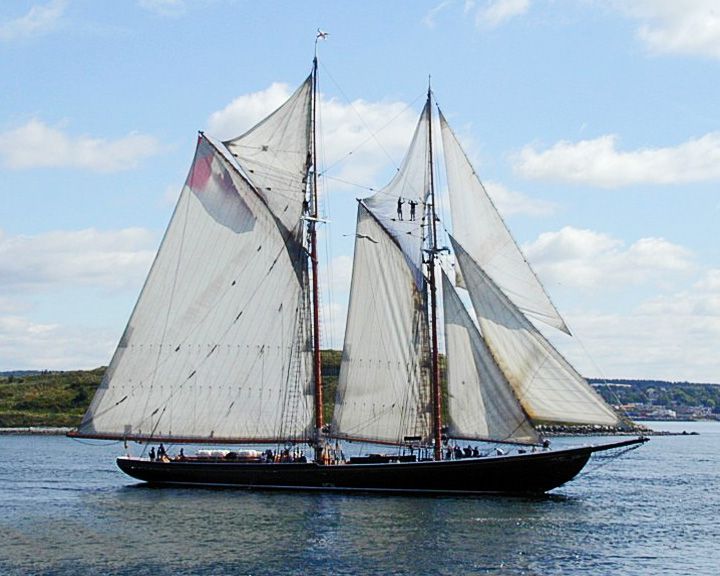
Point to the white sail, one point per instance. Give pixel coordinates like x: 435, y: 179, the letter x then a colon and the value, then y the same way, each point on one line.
x: 400, y: 206
x: 548, y: 387
x: 481, y: 403
x: 218, y: 345
x: 480, y: 229
x: 274, y: 155
x: 382, y: 390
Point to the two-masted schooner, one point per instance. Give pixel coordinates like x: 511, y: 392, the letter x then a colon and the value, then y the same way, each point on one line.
x: 223, y: 345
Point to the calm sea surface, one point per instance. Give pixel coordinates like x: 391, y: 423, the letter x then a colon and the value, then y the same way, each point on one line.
x: 66, y: 510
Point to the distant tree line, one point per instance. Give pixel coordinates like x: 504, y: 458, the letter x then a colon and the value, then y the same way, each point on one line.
x: 659, y: 393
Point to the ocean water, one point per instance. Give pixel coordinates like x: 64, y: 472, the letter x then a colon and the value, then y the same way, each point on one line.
x: 66, y: 510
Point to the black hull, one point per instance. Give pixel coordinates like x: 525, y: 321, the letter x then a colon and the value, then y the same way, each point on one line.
x: 530, y: 473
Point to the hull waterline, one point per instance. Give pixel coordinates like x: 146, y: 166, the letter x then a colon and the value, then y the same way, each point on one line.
x: 527, y: 473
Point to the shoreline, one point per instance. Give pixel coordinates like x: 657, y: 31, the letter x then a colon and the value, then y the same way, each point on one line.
x: 35, y: 431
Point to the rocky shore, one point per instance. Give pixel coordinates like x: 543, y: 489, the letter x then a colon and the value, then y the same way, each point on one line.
x: 39, y: 430
x: 636, y: 430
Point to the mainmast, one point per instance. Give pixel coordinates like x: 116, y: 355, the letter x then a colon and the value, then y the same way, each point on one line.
x: 435, y: 378
x: 317, y: 364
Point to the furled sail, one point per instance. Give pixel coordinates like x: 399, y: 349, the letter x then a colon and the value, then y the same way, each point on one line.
x: 548, y: 387
x: 481, y: 403
x: 480, y: 229
x: 218, y: 347
x: 382, y: 392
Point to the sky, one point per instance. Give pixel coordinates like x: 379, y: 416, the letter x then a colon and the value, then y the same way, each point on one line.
x: 594, y: 125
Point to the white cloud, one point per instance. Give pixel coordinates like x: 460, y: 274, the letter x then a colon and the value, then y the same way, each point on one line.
x: 598, y: 162
x: 40, y: 19
x: 12, y: 305
x: 164, y: 7
x: 335, y: 290
x: 36, y: 144
x: 509, y: 202
x: 371, y: 133
x: 109, y: 260
x: 674, y: 26
x: 40, y: 271
x: 652, y: 341
x: 497, y: 12
x: 670, y: 334
x: 246, y: 110
x: 590, y: 260
x: 429, y: 19
x: 25, y: 344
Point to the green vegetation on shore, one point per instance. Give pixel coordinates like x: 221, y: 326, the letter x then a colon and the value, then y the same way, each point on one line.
x: 59, y: 399
x: 660, y: 393
x: 47, y: 398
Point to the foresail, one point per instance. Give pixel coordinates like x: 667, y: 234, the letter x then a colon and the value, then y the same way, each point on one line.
x: 274, y: 155
x: 218, y: 345
x: 548, y: 387
x: 478, y: 226
x: 481, y: 403
x: 383, y: 392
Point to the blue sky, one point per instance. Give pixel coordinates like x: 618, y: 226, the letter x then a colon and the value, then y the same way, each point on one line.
x: 594, y: 125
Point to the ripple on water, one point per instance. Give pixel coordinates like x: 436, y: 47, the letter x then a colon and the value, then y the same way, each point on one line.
x: 71, y: 512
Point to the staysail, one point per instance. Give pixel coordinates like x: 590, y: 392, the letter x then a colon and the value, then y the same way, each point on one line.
x: 477, y: 225
x: 382, y: 392
x: 481, y: 403
x: 549, y: 389
x: 218, y: 347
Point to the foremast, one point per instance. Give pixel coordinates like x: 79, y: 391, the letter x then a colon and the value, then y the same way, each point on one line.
x: 432, y: 281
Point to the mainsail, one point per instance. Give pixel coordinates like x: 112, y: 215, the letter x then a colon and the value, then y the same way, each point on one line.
x: 218, y: 347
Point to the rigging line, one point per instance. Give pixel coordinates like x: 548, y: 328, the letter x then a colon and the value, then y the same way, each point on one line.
x: 326, y: 205
x: 602, y: 375
x: 373, y: 135
x: 602, y: 460
x: 89, y: 443
x: 342, y: 181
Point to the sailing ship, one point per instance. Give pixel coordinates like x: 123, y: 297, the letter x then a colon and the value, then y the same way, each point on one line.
x: 223, y: 345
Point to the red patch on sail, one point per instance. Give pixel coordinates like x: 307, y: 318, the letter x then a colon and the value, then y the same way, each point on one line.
x: 201, y: 171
